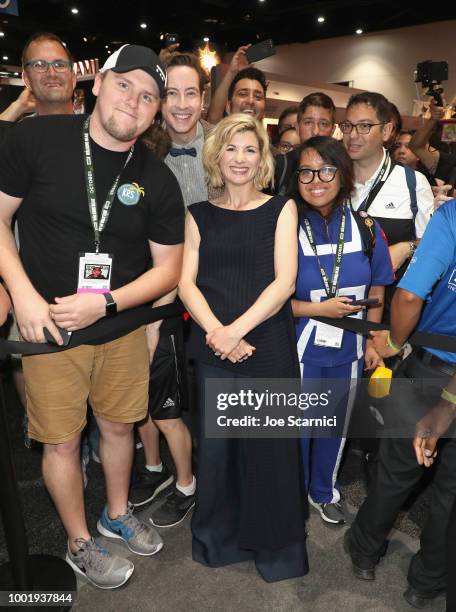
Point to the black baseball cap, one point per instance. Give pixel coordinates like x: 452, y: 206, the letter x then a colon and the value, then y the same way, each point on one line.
x: 136, y: 57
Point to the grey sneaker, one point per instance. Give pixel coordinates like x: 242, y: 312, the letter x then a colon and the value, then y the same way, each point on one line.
x: 98, y: 566
x: 140, y: 538
x: 330, y: 512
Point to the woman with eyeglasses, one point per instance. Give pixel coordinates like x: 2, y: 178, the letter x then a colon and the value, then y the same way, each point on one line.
x: 289, y: 140
x: 343, y: 260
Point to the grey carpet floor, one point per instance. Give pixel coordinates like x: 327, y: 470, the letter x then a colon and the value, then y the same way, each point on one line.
x: 172, y: 582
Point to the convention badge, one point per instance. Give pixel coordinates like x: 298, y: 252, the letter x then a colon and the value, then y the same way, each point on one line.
x: 95, y: 271
x: 328, y: 335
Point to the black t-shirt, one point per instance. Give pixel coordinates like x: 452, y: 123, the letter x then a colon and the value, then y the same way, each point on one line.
x: 42, y: 162
x: 4, y: 129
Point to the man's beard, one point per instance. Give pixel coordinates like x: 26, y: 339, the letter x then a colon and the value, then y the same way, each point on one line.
x: 123, y: 135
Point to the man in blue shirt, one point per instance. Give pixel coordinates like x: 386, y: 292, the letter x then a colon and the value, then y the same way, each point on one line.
x: 430, y: 281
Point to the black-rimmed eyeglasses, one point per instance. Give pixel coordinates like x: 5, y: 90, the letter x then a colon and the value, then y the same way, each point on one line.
x: 346, y: 127
x: 326, y: 174
x: 40, y: 65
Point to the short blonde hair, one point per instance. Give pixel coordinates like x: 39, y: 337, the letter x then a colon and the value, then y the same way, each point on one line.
x: 221, y: 136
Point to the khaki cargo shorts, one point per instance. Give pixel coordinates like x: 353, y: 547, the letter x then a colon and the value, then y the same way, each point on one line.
x: 113, y: 377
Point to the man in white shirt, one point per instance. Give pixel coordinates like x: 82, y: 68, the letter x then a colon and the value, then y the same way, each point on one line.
x: 400, y: 199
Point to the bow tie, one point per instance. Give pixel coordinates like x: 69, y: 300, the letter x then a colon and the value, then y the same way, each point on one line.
x: 175, y: 152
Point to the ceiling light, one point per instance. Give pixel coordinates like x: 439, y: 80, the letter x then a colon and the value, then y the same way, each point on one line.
x: 143, y: 25
x: 75, y: 11
x: 206, y: 39
x: 2, y: 34
x: 109, y: 51
x: 106, y: 46
x: 16, y: 74
x: 5, y: 58
x: 359, y: 31
x: 85, y: 39
x: 321, y: 19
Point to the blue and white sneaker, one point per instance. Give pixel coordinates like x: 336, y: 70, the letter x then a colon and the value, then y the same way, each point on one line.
x: 140, y: 538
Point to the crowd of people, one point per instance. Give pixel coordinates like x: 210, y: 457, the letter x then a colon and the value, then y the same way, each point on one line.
x: 148, y: 200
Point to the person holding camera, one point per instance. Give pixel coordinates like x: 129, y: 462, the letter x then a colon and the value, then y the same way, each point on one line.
x: 440, y: 164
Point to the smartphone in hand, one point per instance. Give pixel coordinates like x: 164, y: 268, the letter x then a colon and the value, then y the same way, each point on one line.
x: 66, y: 336
x: 260, y: 51
x: 365, y: 302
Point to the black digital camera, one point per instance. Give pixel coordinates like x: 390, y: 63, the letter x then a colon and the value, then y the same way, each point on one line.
x: 431, y: 74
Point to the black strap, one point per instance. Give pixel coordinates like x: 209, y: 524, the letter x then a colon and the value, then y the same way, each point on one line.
x: 98, y: 224
x: 127, y: 321
x: 366, y: 226
x: 142, y: 315
x: 331, y: 289
x: 383, y: 174
x: 418, y: 338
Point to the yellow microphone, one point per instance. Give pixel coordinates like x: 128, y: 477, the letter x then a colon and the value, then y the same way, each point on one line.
x: 380, y: 382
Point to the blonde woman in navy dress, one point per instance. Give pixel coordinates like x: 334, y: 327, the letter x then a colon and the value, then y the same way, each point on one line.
x: 239, y: 272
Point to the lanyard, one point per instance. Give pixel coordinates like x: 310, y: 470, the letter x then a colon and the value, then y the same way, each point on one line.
x: 381, y: 177
x: 98, y: 226
x: 331, y: 290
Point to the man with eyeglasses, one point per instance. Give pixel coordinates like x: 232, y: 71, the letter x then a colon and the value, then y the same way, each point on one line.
x: 48, y: 77
x: 316, y: 117
x: 399, y: 198
x: 49, y: 83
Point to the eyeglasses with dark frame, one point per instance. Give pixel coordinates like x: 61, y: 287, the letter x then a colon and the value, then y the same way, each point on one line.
x: 40, y: 65
x: 326, y: 174
x: 286, y: 147
x: 363, y: 127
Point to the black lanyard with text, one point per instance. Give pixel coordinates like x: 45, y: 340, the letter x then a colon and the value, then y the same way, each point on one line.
x: 385, y: 171
x: 98, y: 226
x: 331, y: 290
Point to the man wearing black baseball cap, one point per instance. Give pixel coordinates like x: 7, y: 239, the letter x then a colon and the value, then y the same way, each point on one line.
x: 133, y: 57
x: 87, y: 192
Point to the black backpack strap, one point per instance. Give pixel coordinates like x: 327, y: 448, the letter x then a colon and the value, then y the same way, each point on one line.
x: 366, y: 226
x: 281, y: 186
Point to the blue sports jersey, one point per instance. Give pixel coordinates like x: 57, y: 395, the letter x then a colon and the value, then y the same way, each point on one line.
x: 356, y: 278
x: 431, y: 275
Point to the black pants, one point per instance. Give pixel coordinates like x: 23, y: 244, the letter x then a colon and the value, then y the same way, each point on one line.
x: 451, y: 559
x: 398, y: 473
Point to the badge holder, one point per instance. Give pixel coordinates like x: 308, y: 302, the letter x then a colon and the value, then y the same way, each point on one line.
x: 95, y: 270
x: 328, y: 335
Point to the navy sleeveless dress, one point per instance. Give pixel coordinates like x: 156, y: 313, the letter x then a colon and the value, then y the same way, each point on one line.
x: 249, y: 501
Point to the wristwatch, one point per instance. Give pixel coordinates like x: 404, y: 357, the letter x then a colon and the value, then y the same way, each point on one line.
x: 111, y: 306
